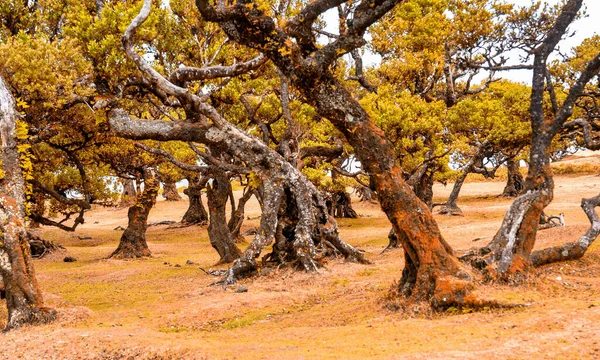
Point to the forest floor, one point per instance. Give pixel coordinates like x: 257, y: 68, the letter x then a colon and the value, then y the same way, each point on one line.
x: 163, y: 306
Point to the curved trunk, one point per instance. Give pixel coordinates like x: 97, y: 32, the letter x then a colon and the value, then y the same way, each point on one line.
x: 129, y: 193
x: 23, y: 295
x: 133, y: 241
x: 507, y: 255
x: 424, y: 244
x: 221, y: 240
x: 170, y: 192
x: 514, y: 181
x: 237, y: 218
x: 450, y: 208
x: 196, y: 213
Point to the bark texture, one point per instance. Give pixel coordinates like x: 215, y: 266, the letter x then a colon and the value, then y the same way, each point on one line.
x: 211, y: 129
x: 23, y: 295
x: 308, y: 68
x: 133, y: 241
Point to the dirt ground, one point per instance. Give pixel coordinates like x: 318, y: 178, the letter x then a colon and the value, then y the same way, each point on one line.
x: 162, y: 307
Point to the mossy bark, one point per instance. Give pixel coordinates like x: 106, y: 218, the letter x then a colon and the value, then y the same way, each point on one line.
x: 23, y: 295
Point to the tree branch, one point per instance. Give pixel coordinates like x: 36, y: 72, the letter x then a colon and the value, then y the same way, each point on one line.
x: 184, y: 74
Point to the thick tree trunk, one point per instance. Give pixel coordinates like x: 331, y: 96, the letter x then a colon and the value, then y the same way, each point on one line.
x: 438, y: 270
x: 23, y: 295
x: 514, y: 182
x: 196, y: 213
x: 509, y: 252
x: 170, y: 192
x: 428, y: 251
x: 221, y: 240
x: 133, y: 241
x: 129, y: 193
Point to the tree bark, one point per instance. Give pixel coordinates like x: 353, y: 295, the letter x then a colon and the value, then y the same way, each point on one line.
x: 133, y: 241
x: 276, y: 172
x: 424, y: 243
x: 170, y: 192
x: 129, y: 193
x: 23, y: 295
x: 196, y: 213
x: 514, y: 182
x: 221, y: 240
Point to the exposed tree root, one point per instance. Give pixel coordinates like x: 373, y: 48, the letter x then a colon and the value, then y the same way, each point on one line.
x: 453, y: 210
x: 40, y: 247
x: 35, y: 316
x: 394, y: 242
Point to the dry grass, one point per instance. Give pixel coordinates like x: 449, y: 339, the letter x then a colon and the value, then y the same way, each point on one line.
x: 154, y: 309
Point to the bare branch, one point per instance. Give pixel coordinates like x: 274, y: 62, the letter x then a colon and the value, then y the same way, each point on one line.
x: 172, y: 159
x: 183, y: 74
x: 590, y: 143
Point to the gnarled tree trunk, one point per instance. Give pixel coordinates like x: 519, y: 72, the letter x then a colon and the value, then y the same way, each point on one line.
x: 221, y: 240
x: 23, y: 295
x: 133, y: 241
x: 196, y: 213
x: 437, y: 269
x: 170, y: 192
x: 276, y: 172
x: 507, y: 256
x: 428, y: 251
x: 514, y: 181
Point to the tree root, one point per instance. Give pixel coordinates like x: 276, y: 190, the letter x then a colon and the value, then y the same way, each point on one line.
x: 43, y: 315
x: 450, y: 210
x: 40, y: 247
